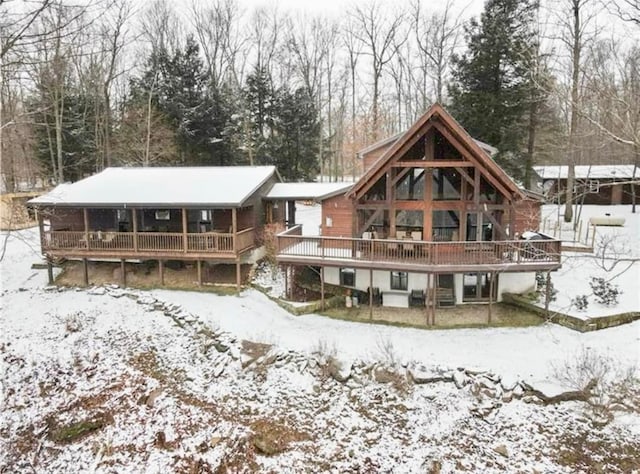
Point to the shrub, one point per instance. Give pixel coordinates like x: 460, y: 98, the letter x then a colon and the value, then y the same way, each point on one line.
x: 580, y: 302
x: 605, y: 292
x: 541, y: 287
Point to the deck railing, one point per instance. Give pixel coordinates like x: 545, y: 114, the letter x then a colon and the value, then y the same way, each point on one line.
x: 294, y: 245
x: 104, y: 241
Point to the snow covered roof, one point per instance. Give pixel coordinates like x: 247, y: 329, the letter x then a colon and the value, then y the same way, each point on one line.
x: 306, y: 191
x: 215, y: 186
x: 587, y: 171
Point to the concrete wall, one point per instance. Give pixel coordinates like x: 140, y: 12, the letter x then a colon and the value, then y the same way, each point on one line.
x: 518, y: 283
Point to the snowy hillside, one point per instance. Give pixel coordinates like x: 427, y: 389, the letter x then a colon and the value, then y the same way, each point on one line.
x: 113, y: 380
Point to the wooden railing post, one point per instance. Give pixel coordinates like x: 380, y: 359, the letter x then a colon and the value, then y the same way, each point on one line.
x: 184, y: 230
x: 85, y: 215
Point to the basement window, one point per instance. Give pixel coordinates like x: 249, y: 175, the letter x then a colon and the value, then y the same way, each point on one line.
x: 399, y: 281
x: 347, y: 277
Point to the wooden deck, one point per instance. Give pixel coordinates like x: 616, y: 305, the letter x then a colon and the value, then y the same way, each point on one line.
x: 419, y: 256
x: 101, y: 244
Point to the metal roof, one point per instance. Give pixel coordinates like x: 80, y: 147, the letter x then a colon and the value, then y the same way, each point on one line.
x: 212, y: 186
x: 306, y: 191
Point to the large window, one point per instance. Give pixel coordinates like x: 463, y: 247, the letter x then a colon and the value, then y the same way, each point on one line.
x: 409, y: 220
x: 347, y: 277
x: 399, y: 281
x: 447, y: 184
x: 411, y: 186
x: 445, y: 226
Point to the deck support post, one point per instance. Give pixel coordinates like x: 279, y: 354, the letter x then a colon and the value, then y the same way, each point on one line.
x: 547, y: 294
x: 492, y: 276
x: 41, y: 229
x: 161, y: 271
x: 434, y: 299
x: 184, y: 230
x: 50, y: 271
x: 123, y: 269
x: 322, y: 288
x: 199, y: 267
x: 427, y: 299
x: 286, y: 280
x: 238, y: 275
x: 370, y: 294
x: 85, y: 268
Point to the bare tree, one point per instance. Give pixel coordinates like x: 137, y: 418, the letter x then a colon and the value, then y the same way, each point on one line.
x: 437, y: 36
x: 381, y: 33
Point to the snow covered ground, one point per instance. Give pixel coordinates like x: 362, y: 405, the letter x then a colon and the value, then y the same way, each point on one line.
x: 617, y: 259
x: 180, y: 381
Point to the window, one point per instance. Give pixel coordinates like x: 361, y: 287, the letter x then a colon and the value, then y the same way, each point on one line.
x: 123, y: 215
x: 347, y: 277
x: 411, y: 186
x: 163, y: 215
x: 445, y: 225
x: 205, y: 215
x: 447, y: 184
x: 476, y: 287
x: 399, y: 281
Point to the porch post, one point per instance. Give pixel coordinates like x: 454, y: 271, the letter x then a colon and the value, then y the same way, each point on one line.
x: 134, y: 217
x: 123, y: 269
x: 161, y: 271
x: 234, y: 228
x: 370, y: 293
x: 199, y: 267
x: 322, y: 288
x: 41, y: 229
x: 547, y: 292
x: 85, y: 214
x: 85, y: 265
x: 184, y: 229
x: 238, y: 275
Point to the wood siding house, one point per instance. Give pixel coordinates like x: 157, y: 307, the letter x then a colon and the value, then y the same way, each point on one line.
x: 207, y: 214
x: 594, y: 184
x: 434, y: 215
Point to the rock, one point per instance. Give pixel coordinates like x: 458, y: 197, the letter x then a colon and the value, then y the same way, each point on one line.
x: 246, y: 360
x: 340, y: 370
x: 420, y: 375
x: 97, y: 290
x: 153, y: 395
x: 460, y: 379
x: 384, y: 375
x: 214, y: 441
x: 517, y: 391
x: 221, y: 346
x: 501, y: 449
x: 507, y: 397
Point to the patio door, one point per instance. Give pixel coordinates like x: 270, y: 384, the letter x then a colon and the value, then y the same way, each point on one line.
x: 476, y: 287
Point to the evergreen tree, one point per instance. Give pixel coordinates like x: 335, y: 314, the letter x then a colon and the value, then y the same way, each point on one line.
x: 491, y: 93
x: 78, y: 126
x: 195, y: 109
x: 260, y: 99
x: 296, y: 139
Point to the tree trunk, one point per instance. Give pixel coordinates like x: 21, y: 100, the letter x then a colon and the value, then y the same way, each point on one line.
x: 575, y: 76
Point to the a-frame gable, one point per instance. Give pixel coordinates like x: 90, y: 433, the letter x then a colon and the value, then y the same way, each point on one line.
x: 437, y: 118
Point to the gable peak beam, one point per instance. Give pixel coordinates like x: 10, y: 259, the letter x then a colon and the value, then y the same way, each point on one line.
x: 480, y: 166
x: 397, y: 150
